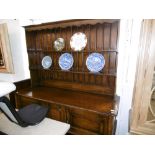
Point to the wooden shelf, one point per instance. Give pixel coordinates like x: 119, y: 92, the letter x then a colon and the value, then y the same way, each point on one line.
x: 70, y: 51
x: 92, y: 102
x: 71, y: 71
x: 102, y: 37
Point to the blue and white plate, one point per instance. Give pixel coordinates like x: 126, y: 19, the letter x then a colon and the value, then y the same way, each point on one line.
x: 46, y: 62
x: 66, y: 61
x: 95, y: 62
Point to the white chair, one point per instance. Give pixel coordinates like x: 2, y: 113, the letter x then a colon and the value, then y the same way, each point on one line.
x: 29, y: 117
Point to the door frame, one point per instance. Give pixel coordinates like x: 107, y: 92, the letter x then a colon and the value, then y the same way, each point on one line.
x: 143, y: 81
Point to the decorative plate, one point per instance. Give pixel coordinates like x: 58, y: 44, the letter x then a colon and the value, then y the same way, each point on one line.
x: 46, y: 62
x: 66, y: 61
x: 78, y: 41
x: 95, y: 62
x: 59, y: 44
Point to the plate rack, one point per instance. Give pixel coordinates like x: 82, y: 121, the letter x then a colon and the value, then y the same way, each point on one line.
x: 102, y: 37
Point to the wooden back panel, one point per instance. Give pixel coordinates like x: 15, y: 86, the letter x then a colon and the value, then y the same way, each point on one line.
x: 102, y: 37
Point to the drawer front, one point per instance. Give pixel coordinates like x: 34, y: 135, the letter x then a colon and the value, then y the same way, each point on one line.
x: 88, y: 122
x: 24, y: 101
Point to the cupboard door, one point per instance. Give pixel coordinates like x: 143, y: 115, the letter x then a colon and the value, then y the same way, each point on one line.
x: 57, y: 112
x: 86, y: 122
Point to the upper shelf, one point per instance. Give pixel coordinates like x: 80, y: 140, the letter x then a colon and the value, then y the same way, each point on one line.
x: 84, y: 51
x: 102, y: 37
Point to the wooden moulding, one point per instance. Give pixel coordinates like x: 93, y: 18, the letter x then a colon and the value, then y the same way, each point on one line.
x: 67, y: 23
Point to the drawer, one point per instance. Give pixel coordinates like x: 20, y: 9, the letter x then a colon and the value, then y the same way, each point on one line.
x: 24, y: 101
x: 55, y: 112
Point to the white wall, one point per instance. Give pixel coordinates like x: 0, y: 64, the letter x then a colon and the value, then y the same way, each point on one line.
x: 19, y: 54
x: 127, y: 60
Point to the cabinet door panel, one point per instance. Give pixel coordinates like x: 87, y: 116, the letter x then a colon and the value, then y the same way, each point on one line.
x: 90, y: 121
x: 57, y: 112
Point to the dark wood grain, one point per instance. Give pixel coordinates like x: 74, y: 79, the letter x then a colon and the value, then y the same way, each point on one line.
x: 78, y: 97
x: 102, y: 37
x: 19, y: 85
x: 92, y: 102
x: 66, y: 23
x: 87, y: 113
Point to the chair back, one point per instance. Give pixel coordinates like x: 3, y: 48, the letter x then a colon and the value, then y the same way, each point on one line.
x: 9, y: 110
